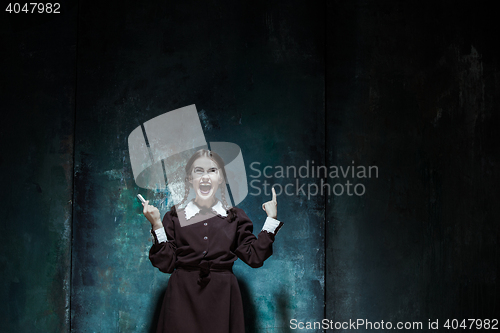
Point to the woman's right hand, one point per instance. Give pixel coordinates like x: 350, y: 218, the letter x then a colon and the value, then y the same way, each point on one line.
x: 153, y: 215
x: 271, y: 207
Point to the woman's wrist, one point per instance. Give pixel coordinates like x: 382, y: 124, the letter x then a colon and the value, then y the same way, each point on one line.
x: 157, y: 225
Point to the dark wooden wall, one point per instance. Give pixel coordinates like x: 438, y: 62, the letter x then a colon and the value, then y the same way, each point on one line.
x: 413, y: 88
x: 407, y: 87
x: 37, y: 89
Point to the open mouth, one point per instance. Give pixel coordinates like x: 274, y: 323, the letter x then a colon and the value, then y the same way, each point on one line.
x: 205, y: 188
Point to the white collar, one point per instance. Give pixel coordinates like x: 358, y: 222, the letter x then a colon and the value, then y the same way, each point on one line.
x: 192, y: 209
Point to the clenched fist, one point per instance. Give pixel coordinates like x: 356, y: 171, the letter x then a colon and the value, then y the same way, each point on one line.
x: 153, y: 215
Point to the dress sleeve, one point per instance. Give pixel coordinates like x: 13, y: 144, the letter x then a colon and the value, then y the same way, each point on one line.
x: 252, y: 250
x: 162, y: 253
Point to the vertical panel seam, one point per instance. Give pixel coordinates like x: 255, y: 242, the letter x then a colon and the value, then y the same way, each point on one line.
x: 70, y: 283
x: 325, y: 54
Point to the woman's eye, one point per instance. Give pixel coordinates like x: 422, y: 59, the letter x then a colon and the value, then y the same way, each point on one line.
x: 212, y: 170
x: 198, y: 170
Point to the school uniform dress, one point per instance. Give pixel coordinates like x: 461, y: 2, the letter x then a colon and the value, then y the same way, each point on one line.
x: 199, y: 247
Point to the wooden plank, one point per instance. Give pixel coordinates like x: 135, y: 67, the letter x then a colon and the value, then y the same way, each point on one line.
x: 255, y: 72
x: 36, y: 166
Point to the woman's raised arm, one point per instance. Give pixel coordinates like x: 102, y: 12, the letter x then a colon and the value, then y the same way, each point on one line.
x: 252, y: 250
x: 162, y: 253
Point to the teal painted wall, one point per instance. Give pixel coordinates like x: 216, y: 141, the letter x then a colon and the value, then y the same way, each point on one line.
x: 407, y: 87
x: 257, y: 79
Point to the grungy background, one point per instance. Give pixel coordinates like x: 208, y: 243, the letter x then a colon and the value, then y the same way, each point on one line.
x: 410, y: 87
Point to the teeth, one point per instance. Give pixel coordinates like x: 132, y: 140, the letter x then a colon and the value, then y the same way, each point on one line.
x: 205, y: 188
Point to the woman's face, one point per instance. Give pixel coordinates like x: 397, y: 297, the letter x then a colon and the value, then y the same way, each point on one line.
x: 205, y: 178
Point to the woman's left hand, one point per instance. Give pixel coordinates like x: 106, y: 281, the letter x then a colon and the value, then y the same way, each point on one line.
x: 271, y: 207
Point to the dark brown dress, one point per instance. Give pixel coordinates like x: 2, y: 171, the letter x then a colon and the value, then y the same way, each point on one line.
x: 203, y: 293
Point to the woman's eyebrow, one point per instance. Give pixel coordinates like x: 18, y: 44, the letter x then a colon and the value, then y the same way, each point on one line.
x: 200, y: 167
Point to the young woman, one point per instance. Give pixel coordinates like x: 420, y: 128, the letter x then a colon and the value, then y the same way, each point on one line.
x: 199, y: 244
